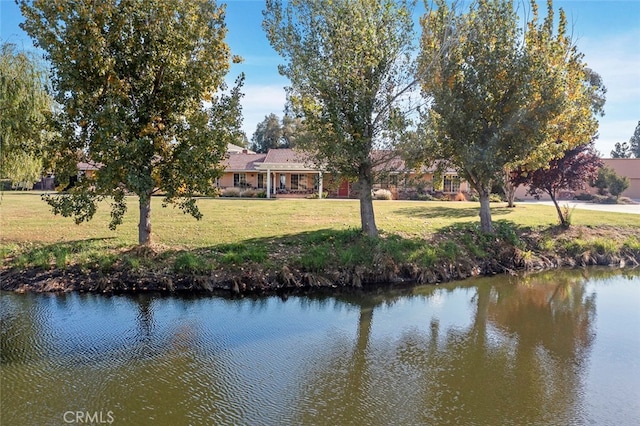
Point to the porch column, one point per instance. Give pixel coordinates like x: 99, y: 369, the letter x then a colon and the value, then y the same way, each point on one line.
x: 268, y: 183
x: 319, y: 185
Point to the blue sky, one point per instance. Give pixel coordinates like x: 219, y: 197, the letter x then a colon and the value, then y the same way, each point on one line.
x: 606, y: 31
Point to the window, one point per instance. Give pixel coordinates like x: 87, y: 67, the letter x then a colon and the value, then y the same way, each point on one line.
x: 261, y: 180
x: 298, y: 182
x: 240, y: 180
x: 451, y: 184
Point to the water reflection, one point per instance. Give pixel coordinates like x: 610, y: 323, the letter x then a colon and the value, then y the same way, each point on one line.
x: 488, y: 351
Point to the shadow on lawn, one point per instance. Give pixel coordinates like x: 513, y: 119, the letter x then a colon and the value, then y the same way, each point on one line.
x: 428, y: 212
x: 312, y: 251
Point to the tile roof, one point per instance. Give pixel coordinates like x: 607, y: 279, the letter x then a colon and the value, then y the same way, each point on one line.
x: 89, y: 166
x: 284, y: 156
x: 241, y: 161
x: 235, y: 149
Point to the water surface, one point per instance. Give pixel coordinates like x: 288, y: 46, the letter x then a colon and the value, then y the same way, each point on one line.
x: 555, y: 348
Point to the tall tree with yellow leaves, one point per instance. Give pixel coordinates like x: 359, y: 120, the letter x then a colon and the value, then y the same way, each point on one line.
x: 502, y: 96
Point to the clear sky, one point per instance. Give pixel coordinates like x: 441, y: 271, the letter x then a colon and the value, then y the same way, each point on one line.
x: 606, y: 31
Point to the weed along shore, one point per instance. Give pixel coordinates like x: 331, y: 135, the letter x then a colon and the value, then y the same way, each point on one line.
x: 251, y: 247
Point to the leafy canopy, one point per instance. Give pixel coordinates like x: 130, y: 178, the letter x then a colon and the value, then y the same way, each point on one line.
x: 349, y: 63
x: 131, y: 77
x: 634, y: 142
x: 572, y: 171
x: 609, y: 182
x: 501, y: 97
x: 25, y: 107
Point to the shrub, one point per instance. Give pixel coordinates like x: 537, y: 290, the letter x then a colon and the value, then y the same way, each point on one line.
x: 382, y: 194
x: 230, y: 192
x: 608, y: 182
x: 249, y: 193
x: 584, y: 196
x: 460, y: 197
x: 496, y: 198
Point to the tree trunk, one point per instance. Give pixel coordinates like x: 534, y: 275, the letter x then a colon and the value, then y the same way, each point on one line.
x: 144, y: 225
x: 509, y: 189
x: 563, y: 220
x: 485, y: 211
x: 367, y: 216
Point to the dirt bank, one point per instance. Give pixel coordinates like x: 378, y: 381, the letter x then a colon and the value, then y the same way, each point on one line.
x: 531, y: 252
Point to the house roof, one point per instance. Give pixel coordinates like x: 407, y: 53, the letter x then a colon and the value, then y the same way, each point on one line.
x: 89, y: 166
x: 285, y: 158
x: 243, y: 162
x: 235, y: 149
x: 294, y: 160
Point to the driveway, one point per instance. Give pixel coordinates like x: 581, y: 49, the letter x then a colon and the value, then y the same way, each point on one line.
x: 616, y: 208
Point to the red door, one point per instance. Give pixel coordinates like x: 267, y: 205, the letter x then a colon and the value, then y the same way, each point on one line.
x: 343, y: 190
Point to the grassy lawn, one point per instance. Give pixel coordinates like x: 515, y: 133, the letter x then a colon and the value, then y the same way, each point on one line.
x: 24, y: 217
x: 310, y: 235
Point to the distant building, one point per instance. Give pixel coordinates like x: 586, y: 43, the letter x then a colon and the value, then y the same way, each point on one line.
x: 629, y: 167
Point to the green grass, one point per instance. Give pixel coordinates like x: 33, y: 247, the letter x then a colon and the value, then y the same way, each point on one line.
x: 311, y: 234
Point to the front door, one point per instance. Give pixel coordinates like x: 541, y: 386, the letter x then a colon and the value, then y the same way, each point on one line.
x: 343, y: 190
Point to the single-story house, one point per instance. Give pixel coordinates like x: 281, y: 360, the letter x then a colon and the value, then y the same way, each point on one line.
x: 287, y: 173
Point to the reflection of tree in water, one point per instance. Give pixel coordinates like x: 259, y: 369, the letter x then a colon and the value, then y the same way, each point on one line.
x: 177, y: 373
x: 519, y: 361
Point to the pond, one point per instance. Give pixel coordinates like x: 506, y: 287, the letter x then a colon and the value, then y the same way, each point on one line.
x: 553, y: 348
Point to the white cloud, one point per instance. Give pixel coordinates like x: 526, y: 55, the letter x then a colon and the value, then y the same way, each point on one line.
x: 617, y: 60
x: 612, y: 131
x: 260, y: 101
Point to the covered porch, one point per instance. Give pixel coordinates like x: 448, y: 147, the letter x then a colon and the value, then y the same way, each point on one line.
x: 287, y: 175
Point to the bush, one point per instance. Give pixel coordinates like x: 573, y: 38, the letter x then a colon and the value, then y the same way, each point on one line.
x: 382, y: 194
x: 249, y: 193
x: 230, y: 192
x: 496, y: 198
x: 608, y: 182
x: 460, y: 197
x: 584, y: 196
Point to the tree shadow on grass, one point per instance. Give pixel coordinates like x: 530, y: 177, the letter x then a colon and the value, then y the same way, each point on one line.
x: 435, y: 212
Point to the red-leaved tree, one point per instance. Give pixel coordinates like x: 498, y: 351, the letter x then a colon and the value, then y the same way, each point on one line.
x: 571, y: 172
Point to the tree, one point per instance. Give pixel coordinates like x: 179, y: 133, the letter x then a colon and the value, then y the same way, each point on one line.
x: 131, y: 77
x: 634, y: 142
x: 500, y: 99
x: 268, y: 134
x: 580, y: 126
x: 608, y: 182
x: 572, y: 171
x: 349, y: 64
x: 292, y: 130
x: 621, y: 150
x: 25, y: 106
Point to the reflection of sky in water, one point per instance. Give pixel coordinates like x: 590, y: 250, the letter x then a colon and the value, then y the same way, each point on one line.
x: 451, y: 309
x: 382, y: 357
x: 614, y: 370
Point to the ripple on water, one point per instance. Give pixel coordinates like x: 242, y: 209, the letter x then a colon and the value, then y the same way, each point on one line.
x: 211, y: 361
